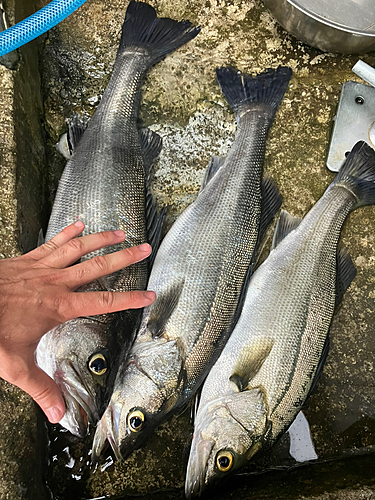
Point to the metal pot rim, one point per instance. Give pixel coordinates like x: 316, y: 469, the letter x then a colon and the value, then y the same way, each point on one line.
x: 328, y: 22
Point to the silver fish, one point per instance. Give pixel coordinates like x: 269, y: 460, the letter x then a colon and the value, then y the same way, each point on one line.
x: 103, y: 185
x: 272, y: 359
x: 198, y: 273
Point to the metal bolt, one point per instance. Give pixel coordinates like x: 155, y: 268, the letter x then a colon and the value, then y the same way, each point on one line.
x: 359, y: 99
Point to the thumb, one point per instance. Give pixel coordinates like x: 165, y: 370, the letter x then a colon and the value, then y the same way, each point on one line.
x: 45, y: 392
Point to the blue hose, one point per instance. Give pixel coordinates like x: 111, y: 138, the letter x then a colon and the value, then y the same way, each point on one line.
x: 37, y: 24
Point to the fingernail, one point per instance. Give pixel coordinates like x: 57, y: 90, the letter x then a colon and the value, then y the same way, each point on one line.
x: 149, y: 296
x: 145, y: 247
x: 119, y: 233
x: 79, y: 223
x: 54, y: 414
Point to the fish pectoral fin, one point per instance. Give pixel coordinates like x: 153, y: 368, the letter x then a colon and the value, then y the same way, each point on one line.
x: 345, y: 272
x: 285, y: 225
x: 250, y: 362
x: 76, y: 128
x: 151, y: 145
x: 163, y: 308
x: 212, y: 168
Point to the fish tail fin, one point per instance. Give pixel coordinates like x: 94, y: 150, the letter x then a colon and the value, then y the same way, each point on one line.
x: 358, y: 173
x: 243, y: 91
x: 159, y: 36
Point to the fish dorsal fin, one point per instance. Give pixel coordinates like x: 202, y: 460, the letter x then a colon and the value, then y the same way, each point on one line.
x: 151, y: 146
x: 345, y: 272
x: 214, y: 165
x: 285, y: 225
x: 250, y: 362
x: 163, y: 308
x: 76, y: 128
x: 271, y: 203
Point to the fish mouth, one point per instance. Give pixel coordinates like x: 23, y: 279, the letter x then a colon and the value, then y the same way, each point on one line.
x: 80, y: 403
x: 107, y: 430
x: 196, y: 470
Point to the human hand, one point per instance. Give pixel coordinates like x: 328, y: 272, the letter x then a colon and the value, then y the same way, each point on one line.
x: 37, y: 293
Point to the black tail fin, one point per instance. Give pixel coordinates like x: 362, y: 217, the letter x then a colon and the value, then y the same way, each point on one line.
x: 240, y: 89
x: 358, y: 173
x: 160, y: 36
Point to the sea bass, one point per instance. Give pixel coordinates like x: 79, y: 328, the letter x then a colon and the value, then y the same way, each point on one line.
x: 104, y: 185
x: 272, y: 359
x: 199, y: 272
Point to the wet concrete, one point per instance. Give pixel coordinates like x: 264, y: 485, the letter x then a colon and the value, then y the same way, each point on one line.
x: 183, y: 103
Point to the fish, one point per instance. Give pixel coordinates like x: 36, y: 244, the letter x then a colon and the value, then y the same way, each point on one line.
x: 105, y: 184
x: 273, y: 358
x: 199, y: 272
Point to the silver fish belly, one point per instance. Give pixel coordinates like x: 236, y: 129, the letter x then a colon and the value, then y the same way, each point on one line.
x: 104, y: 185
x: 269, y: 365
x: 198, y: 274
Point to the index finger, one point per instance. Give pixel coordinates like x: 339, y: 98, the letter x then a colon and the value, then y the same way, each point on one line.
x: 64, y: 236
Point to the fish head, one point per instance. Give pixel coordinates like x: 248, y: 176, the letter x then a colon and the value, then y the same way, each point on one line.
x: 81, y: 365
x: 228, y: 431
x: 146, y: 389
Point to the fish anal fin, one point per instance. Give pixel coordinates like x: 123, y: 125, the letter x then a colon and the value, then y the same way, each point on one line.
x: 163, y: 308
x: 154, y: 232
x: 76, y: 128
x: 345, y: 272
x: 271, y: 203
x: 285, y: 225
x: 151, y: 146
x: 212, y: 168
x: 250, y: 362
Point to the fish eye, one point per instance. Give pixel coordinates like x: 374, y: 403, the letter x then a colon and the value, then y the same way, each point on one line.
x: 98, y: 364
x: 135, y: 420
x: 224, y: 461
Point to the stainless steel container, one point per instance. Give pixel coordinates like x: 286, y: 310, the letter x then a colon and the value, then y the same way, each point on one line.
x: 344, y: 26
